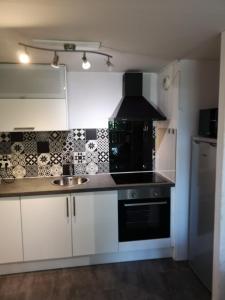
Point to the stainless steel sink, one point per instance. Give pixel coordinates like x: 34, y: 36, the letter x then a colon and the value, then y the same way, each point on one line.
x: 70, y: 180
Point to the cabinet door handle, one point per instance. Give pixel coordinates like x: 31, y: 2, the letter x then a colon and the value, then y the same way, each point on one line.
x: 74, y: 207
x: 67, y: 207
x: 24, y: 128
x: 146, y: 204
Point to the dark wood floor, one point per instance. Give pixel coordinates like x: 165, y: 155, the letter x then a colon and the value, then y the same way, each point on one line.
x: 154, y: 280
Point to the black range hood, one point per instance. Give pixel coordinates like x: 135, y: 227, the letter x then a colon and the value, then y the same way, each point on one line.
x: 133, y: 106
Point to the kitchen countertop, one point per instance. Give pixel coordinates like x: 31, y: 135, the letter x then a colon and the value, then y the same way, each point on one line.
x: 41, y: 186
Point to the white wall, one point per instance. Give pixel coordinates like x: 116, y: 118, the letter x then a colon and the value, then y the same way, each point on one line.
x: 93, y: 96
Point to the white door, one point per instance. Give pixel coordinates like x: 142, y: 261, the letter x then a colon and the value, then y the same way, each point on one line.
x: 11, y: 249
x: 46, y: 226
x: 95, y: 223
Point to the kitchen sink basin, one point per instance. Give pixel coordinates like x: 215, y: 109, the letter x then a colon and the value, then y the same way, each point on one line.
x: 70, y: 180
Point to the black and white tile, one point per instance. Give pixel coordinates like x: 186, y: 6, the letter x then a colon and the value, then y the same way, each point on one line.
x: 18, y: 159
x: 30, y: 146
x: 102, y: 133
x: 56, y: 170
x: 43, y: 136
x: 91, y: 134
x: 7, y: 173
x: 103, y: 167
x: 5, y: 147
x: 79, y: 146
x: 43, y: 147
x: 5, y: 137
x: 91, y: 146
x: 92, y: 157
x: 43, y: 159
x: 92, y: 168
x: 17, y: 148
x: 103, y: 156
x: 31, y: 170
x: 103, y: 145
x: 44, y: 170
x: 16, y: 137
x: 79, y: 134
x: 67, y: 157
x: 5, y: 160
x: 55, y: 136
x: 19, y: 171
x: 68, y: 144
x: 55, y: 146
x: 56, y: 158
x: 79, y: 157
x: 31, y: 154
x: 80, y: 169
x: 29, y: 136
x: 31, y: 159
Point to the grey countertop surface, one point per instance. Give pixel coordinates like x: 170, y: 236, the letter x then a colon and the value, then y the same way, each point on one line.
x: 41, y: 186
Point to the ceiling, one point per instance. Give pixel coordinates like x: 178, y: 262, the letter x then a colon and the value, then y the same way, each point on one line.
x: 140, y: 34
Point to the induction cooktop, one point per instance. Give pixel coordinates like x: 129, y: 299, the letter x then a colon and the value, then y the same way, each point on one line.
x: 138, y: 177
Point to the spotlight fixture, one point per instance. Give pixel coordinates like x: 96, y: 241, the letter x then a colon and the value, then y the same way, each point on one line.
x: 68, y: 48
x: 24, y: 57
x: 109, y: 64
x: 55, y: 61
x: 85, y: 64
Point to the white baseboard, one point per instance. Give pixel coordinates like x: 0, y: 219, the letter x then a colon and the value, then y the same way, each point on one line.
x: 85, y: 260
x: 144, y: 245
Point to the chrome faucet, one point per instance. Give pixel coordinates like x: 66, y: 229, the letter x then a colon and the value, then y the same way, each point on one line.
x: 71, y: 169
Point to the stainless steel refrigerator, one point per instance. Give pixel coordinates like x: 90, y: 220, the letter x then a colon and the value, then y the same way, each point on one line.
x: 202, y: 200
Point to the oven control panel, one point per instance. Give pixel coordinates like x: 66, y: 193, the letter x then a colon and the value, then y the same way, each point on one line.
x: 142, y: 193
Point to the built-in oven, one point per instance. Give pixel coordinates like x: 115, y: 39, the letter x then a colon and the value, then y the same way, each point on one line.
x: 144, y: 213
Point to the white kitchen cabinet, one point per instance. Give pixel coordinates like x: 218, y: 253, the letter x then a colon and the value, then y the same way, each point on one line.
x: 33, y: 114
x: 95, y: 223
x: 46, y: 227
x: 47, y: 230
x: 32, y: 81
x: 11, y: 249
x: 32, y: 97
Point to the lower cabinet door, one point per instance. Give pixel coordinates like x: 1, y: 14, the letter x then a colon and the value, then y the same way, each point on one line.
x: 11, y: 249
x: 95, y: 223
x: 46, y: 226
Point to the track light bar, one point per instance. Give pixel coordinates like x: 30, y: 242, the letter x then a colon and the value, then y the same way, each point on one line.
x: 69, y: 48
x: 80, y: 45
x: 62, y: 50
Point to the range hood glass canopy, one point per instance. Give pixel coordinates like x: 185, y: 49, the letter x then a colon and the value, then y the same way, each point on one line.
x: 133, y: 106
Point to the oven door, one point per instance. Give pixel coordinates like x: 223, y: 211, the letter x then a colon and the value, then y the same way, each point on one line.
x: 142, y: 219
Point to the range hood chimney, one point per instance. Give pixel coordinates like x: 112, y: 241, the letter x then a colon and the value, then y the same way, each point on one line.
x: 133, y: 106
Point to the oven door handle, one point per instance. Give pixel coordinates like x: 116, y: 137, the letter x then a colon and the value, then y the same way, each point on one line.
x: 145, y: 204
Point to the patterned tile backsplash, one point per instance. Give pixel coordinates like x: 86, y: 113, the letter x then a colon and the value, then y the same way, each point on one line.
x: 54, y: 153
